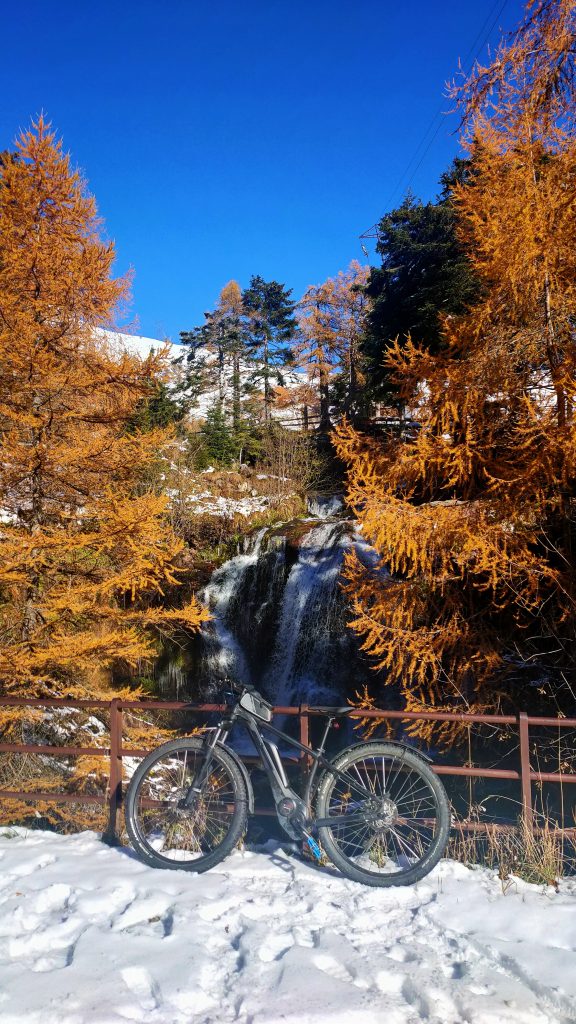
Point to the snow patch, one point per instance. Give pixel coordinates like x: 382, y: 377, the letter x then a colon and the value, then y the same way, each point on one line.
x: 89, y: 935
x: 137, y: 345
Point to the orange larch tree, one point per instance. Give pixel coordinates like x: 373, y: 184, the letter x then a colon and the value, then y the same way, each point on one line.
x: 316, y: 345
x: 331, y: 324
x: 474, y: 517
x: 85, y: 553
x: 351, y: 306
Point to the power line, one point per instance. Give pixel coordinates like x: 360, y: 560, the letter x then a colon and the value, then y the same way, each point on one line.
x: 438, y: 118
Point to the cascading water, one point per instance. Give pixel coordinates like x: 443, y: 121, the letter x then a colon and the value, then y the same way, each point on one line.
x: 279, y: 615
x: 310, y: 634
x: 232, y: 587
x: 324, y: 506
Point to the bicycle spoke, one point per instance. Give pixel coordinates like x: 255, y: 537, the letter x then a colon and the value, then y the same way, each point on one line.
x: 414, y: 783
x: 168, y: 826
x: 184, y: 769
x: 404, y: 843
x: 400, y: 809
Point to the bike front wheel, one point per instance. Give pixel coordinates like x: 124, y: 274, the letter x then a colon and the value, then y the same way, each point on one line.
x: 390, y: 813
x: 167, y: 835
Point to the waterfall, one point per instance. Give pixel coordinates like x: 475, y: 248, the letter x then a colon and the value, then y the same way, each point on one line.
x: 279, y: 615
x: 223, y: 652
x: 324, y: 506
x: 310, y: 621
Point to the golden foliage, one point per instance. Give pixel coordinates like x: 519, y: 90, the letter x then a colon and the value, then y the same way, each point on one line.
x: 83, y: 551
x: 473, y: 518
x: 331, y: 319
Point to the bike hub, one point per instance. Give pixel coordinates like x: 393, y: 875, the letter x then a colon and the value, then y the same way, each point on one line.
x: 383, y: 812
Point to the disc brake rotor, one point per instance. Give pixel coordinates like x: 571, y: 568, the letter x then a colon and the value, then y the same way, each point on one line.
x: 382, y: 812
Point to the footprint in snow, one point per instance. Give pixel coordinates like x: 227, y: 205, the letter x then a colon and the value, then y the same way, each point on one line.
x: 145, y: 917
x: 305, y: 936
x: 275, y: 947
x: 55, y: 897
x: 28, y: 867
x: 329, y: 965
x: 217, y: 909
x: 400, y: 954
x: 390, y: 982
x: 46, y: 949
x: 415, y: 997
x: 255, y: 910
x: 108, y: 905
x: 142, y: 985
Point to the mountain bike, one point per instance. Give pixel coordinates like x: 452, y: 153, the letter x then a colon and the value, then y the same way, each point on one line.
x: 376, y: 810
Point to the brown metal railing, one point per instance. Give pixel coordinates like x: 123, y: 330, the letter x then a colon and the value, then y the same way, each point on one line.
x: 112, y: 798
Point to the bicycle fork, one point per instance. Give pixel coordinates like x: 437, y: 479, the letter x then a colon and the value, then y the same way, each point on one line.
x: 190, y: 801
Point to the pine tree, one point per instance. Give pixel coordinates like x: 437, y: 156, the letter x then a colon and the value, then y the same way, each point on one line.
x: 219, y: 442
x: 84, y: 552
x: 425, y: 275
x: 474, y: 518
x: 271, y: 327
x: 214, y: 353
x: 159, y: 409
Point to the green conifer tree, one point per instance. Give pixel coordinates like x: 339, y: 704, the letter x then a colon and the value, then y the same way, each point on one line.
x: 425, y: 275
x: 271, y: 327
x: 219, y: 442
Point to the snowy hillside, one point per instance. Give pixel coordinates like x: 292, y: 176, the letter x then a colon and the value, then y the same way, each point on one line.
x: 138, y: 345
x: 89, y: 935
x: 143, y: 346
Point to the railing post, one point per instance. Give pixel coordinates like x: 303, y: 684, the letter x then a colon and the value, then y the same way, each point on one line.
x: 304, y: 758
x: 525, y: 769
x: 110, y: 835
x: 304, y: 738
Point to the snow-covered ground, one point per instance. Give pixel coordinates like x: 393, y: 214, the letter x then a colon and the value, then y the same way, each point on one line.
x: 89, y: 935
x: 217, y: 505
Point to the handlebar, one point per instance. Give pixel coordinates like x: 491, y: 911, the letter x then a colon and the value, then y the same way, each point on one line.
x: 239, y: 688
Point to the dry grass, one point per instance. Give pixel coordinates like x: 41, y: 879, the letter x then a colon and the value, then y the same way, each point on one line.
x: 542, y: 855
x: 81, y: 775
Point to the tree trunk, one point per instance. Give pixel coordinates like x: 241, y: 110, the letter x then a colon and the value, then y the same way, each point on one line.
x: 221, y: 363
x: 350, y: 402
x: 325, y: 423
x: 236, y: 403
x: 267, y: 389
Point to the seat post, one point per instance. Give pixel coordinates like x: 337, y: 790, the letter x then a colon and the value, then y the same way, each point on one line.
x: 322, y: 746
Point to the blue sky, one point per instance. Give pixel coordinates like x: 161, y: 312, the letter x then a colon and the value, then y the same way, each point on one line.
x: 228, y: 139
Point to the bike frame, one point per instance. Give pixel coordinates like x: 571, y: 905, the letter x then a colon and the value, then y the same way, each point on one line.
x: 274, y: 768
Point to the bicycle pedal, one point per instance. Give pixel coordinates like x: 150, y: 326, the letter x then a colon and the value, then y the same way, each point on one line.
x: 314, y: 847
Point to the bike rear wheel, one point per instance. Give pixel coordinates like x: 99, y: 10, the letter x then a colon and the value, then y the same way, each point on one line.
x: 166, y: 835
x: 398, y: 811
